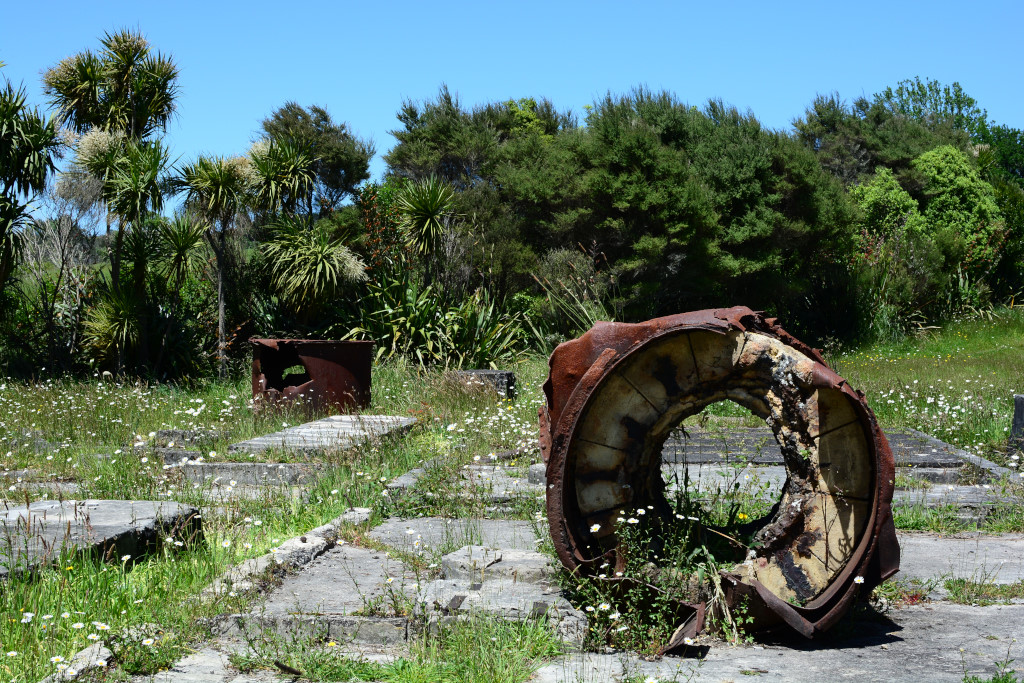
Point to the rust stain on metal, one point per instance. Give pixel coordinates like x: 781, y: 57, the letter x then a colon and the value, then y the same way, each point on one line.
x: 323, y: 374
x: 613, y: 396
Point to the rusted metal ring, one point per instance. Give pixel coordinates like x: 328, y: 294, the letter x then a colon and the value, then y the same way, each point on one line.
x: 613, y: 396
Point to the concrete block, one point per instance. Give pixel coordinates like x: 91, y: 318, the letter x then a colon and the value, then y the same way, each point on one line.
x: 502, y: 382
x: 35, y: 534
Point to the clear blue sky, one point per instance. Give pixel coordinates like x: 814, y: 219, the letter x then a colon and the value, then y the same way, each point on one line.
x: 241, y: 60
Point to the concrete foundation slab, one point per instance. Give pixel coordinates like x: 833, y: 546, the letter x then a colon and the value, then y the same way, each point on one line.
x: 35, y: 534
x: 338, y: 432
x: 442, y: 536
x: 989, y: 558
x: 479, y: 563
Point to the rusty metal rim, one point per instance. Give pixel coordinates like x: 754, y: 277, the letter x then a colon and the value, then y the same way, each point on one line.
x: 865, y: 561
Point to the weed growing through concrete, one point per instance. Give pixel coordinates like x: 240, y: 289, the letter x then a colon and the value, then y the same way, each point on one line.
x: 636, y: 606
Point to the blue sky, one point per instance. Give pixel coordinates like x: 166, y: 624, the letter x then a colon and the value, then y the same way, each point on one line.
x: 239, y: 61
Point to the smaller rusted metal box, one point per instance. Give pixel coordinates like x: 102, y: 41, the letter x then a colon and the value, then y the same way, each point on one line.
x: 323, y: 375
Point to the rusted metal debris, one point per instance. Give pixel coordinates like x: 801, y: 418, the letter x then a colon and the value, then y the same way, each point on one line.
x: 613, y: 396
x: 333, y: 375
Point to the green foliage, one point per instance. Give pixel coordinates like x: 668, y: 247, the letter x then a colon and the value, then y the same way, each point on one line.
x: 853, y: 140
x: 419, y: 323
x: 181, y: 248
x: 125, y: 87
x: 134, y: 185
x: 934, y: 104
x: 899, y: 267
x: 309, y: 264
x: 419, y: 319
x: 703, y: 207
x: 387, y: 250
x: 690, y: 207
x: 28, y: 143
x: 282, y: 176
x: 887, y: 210
x: 114, y: 323
x: 217, y: 187
x: 341, y: 160
x: 426, y: 209
x: 576, y: 296
x: 1003, y: 150
x: 1008, y: 276
x: 961, y: 210
x: 478, y: 334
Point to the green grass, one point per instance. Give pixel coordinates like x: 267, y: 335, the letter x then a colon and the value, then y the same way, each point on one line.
x: 956, y: 383
x: 901, y: 592
x: 984, y: 592
x: 83, y: 419
x: 477, y: 649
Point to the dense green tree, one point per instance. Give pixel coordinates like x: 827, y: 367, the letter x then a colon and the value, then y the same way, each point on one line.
x: 934, y: 104
x: 340, y: 161
x: 1003, y: 153
x: 439, y: 137
x: 704, y: 207
x: 887, y: 210
x: 852, y: 141
x: 961, y: 210
x: 898, y: 266
x: 691, y: 207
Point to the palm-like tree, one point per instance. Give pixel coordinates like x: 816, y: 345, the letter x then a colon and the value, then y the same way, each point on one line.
x: 132, y: 190
x: 427, y: 209
x: 283, y: 177
x: 217, y: 188
x: 180, y: 253
x: 28, y: 143
x: 126, y: 90
x: 309, y: 265
x: 125, y: 86
x: 180, y: 245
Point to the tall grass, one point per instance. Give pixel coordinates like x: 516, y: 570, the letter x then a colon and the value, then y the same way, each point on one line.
x: 955, y: 383
x: 150, y: 605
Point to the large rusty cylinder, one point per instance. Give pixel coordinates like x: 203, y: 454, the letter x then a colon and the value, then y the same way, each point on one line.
x: 614, y: 395
x: 335, y: 375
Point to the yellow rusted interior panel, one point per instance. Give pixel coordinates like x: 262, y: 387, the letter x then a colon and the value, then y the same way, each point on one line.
x: 615, y: 404
x: 594, y: 457
x: 716, y: 354
x: 601, y: 495
x: 843, y: 462
x: 667, y: 361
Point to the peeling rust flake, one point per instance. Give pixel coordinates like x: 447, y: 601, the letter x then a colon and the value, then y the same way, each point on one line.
x: 614, y: 394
